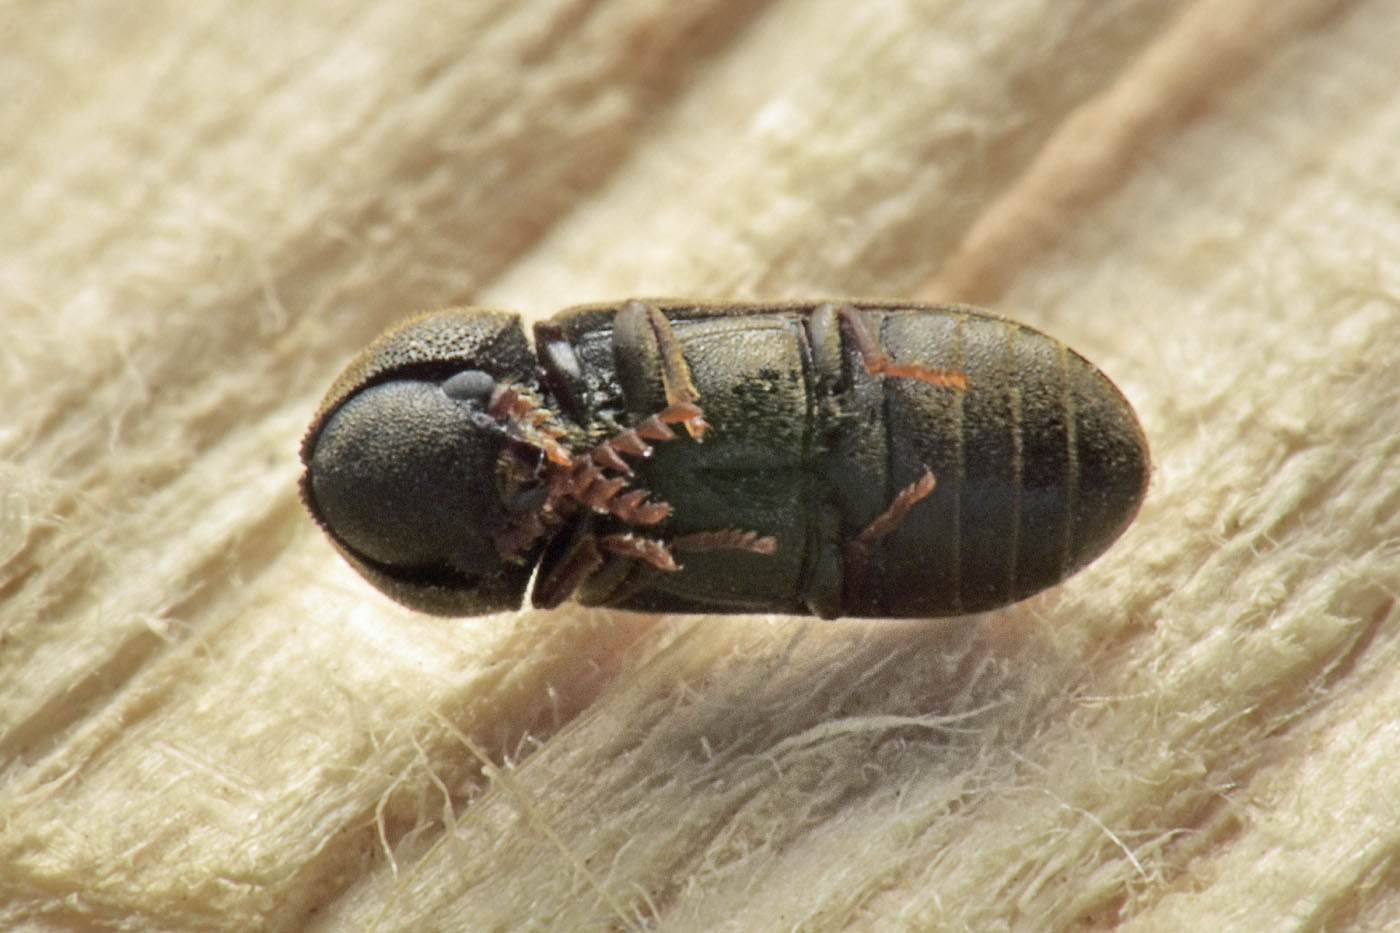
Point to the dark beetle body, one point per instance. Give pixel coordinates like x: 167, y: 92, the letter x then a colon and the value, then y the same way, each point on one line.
x: 1037, y: 462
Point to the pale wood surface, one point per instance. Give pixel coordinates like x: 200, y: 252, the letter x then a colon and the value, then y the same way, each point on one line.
x: 207, y: 721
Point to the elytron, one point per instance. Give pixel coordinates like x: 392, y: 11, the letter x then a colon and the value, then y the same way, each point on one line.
x: 836, y: 458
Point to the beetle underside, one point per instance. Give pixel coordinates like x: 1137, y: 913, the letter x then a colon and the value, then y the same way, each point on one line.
x: 597, y: 478
x: 635, y: 453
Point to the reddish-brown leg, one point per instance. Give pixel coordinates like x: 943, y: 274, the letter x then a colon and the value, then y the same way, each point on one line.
x: 659, y: 555
x: 875, y: 360
x: 858, y: 550
x: 681, y: 394
x: 586, y: 482
x: 528, y: 421
x: 647, y: 550
x: 889, y: 519
x: 726, y: 539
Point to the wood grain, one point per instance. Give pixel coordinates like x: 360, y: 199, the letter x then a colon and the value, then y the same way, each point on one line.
x: 208, y: 722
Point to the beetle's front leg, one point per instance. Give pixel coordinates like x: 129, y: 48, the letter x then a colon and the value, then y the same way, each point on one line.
x: 601, y: 563
x: 585, y: 482
x: 598, y: 569
x: 560, y: 576
x: 528, y: 421
x: 590, y: 558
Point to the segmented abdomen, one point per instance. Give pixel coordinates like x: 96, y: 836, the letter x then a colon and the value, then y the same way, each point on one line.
x: 1039, y: 465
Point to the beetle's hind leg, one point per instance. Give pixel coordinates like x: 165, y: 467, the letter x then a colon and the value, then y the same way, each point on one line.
x: 859, y: 572
x: 877, y: 361
x: 887, y: 521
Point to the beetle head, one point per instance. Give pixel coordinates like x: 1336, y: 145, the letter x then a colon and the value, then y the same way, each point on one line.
x: 414, y: 474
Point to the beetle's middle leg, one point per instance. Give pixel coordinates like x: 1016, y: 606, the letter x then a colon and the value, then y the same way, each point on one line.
x: 659, y: 553
x: 726, y: 539
x: 643, y: 320
x: 647, y: 550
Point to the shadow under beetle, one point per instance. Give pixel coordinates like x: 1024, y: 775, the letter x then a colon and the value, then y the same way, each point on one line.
x: 860, y: 458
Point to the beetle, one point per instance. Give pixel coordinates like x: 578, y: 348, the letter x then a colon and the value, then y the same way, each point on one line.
x: 834, y: 458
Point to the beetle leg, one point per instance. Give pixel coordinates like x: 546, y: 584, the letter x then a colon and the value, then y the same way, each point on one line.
x: 515, y: 540
x: 598, y: 569
x: 581, y: 479
x: 889, y: 519
x: 609, y: 453
x: 681, y: 394
x: 528, y: 421
x: 688, y: 414
x: 727, y: 539
x: 858, y: 550
x: 647, y: 550
x: 876, y: 361
x: 654, y: 429
x: 558, y: 581
x: 586, y: 483
x: 606, y: 455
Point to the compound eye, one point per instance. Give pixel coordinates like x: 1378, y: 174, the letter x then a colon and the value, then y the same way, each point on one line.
x: 470, y: 385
